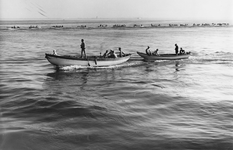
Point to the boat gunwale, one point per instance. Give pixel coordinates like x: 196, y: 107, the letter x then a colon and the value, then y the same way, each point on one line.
x: 163, y: 56
x: 89, y: 58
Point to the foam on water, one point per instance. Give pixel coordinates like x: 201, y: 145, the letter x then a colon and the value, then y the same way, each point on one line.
x: 76, y: 67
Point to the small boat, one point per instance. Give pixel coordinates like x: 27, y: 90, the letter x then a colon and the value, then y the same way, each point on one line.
x: 90, y: 61
x: 163, y: 56
x: 13, y: 28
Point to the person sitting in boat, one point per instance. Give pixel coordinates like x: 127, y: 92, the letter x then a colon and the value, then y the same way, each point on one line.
x: 105, y: 54
x: 121, y: 53
x: 155, y: 52
x: 54, y: 52
x: 148, y: 51
x: 112, y: 54
x: 182, y: 51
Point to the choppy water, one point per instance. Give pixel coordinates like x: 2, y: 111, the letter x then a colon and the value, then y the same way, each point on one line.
x: 186, y: 104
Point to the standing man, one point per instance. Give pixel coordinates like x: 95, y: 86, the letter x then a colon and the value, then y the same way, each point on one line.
x: 83, y: 49
x: 176, y: 49
x: 121, y: 53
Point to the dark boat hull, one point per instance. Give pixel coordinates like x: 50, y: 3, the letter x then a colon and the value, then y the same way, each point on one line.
x: 163, y: 56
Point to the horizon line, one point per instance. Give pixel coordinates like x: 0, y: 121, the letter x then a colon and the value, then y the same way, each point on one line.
x: 133, y: 18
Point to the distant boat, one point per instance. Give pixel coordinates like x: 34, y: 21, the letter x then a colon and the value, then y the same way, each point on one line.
x: 13, y: 28
x: 93, y: 61
x: 163, y: 56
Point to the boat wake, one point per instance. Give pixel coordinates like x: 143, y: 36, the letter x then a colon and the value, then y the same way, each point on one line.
x: 77, y: 67
x: 217, y: 57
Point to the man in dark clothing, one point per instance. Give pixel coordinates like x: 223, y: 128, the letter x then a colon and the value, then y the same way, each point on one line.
x: 105, y: 54
x: 176, y: 49
x: 83, y: 49
x: 148, y: 52
x: 121, y: 53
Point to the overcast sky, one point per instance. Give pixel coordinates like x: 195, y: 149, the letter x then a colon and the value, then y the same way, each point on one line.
x: 158, y: 9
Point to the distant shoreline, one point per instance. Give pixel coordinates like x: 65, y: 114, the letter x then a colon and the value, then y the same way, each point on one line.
x: 106, y: 24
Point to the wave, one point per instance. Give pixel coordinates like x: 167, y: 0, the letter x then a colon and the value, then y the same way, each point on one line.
x: 127, y: 64
x: 219, y: 57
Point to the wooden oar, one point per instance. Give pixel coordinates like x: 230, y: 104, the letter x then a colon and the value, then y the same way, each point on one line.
x: 95, y: 60
x: 88, y: 62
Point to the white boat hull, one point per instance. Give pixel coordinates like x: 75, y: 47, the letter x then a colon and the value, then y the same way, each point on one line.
x: 89, y: 61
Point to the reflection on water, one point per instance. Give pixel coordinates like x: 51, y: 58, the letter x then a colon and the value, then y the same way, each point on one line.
x: 68, y: 78
x: 62, y: 75
x: 79, y: 80
x: 177, y: 66
x: 135, y: 105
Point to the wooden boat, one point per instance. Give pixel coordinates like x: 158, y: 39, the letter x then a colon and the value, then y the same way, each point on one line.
x: 163, y: 56
x: 92, y: 61
x: 13, y: 28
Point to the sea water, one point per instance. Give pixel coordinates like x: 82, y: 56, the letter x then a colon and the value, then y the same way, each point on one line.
x: 182, y: 104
